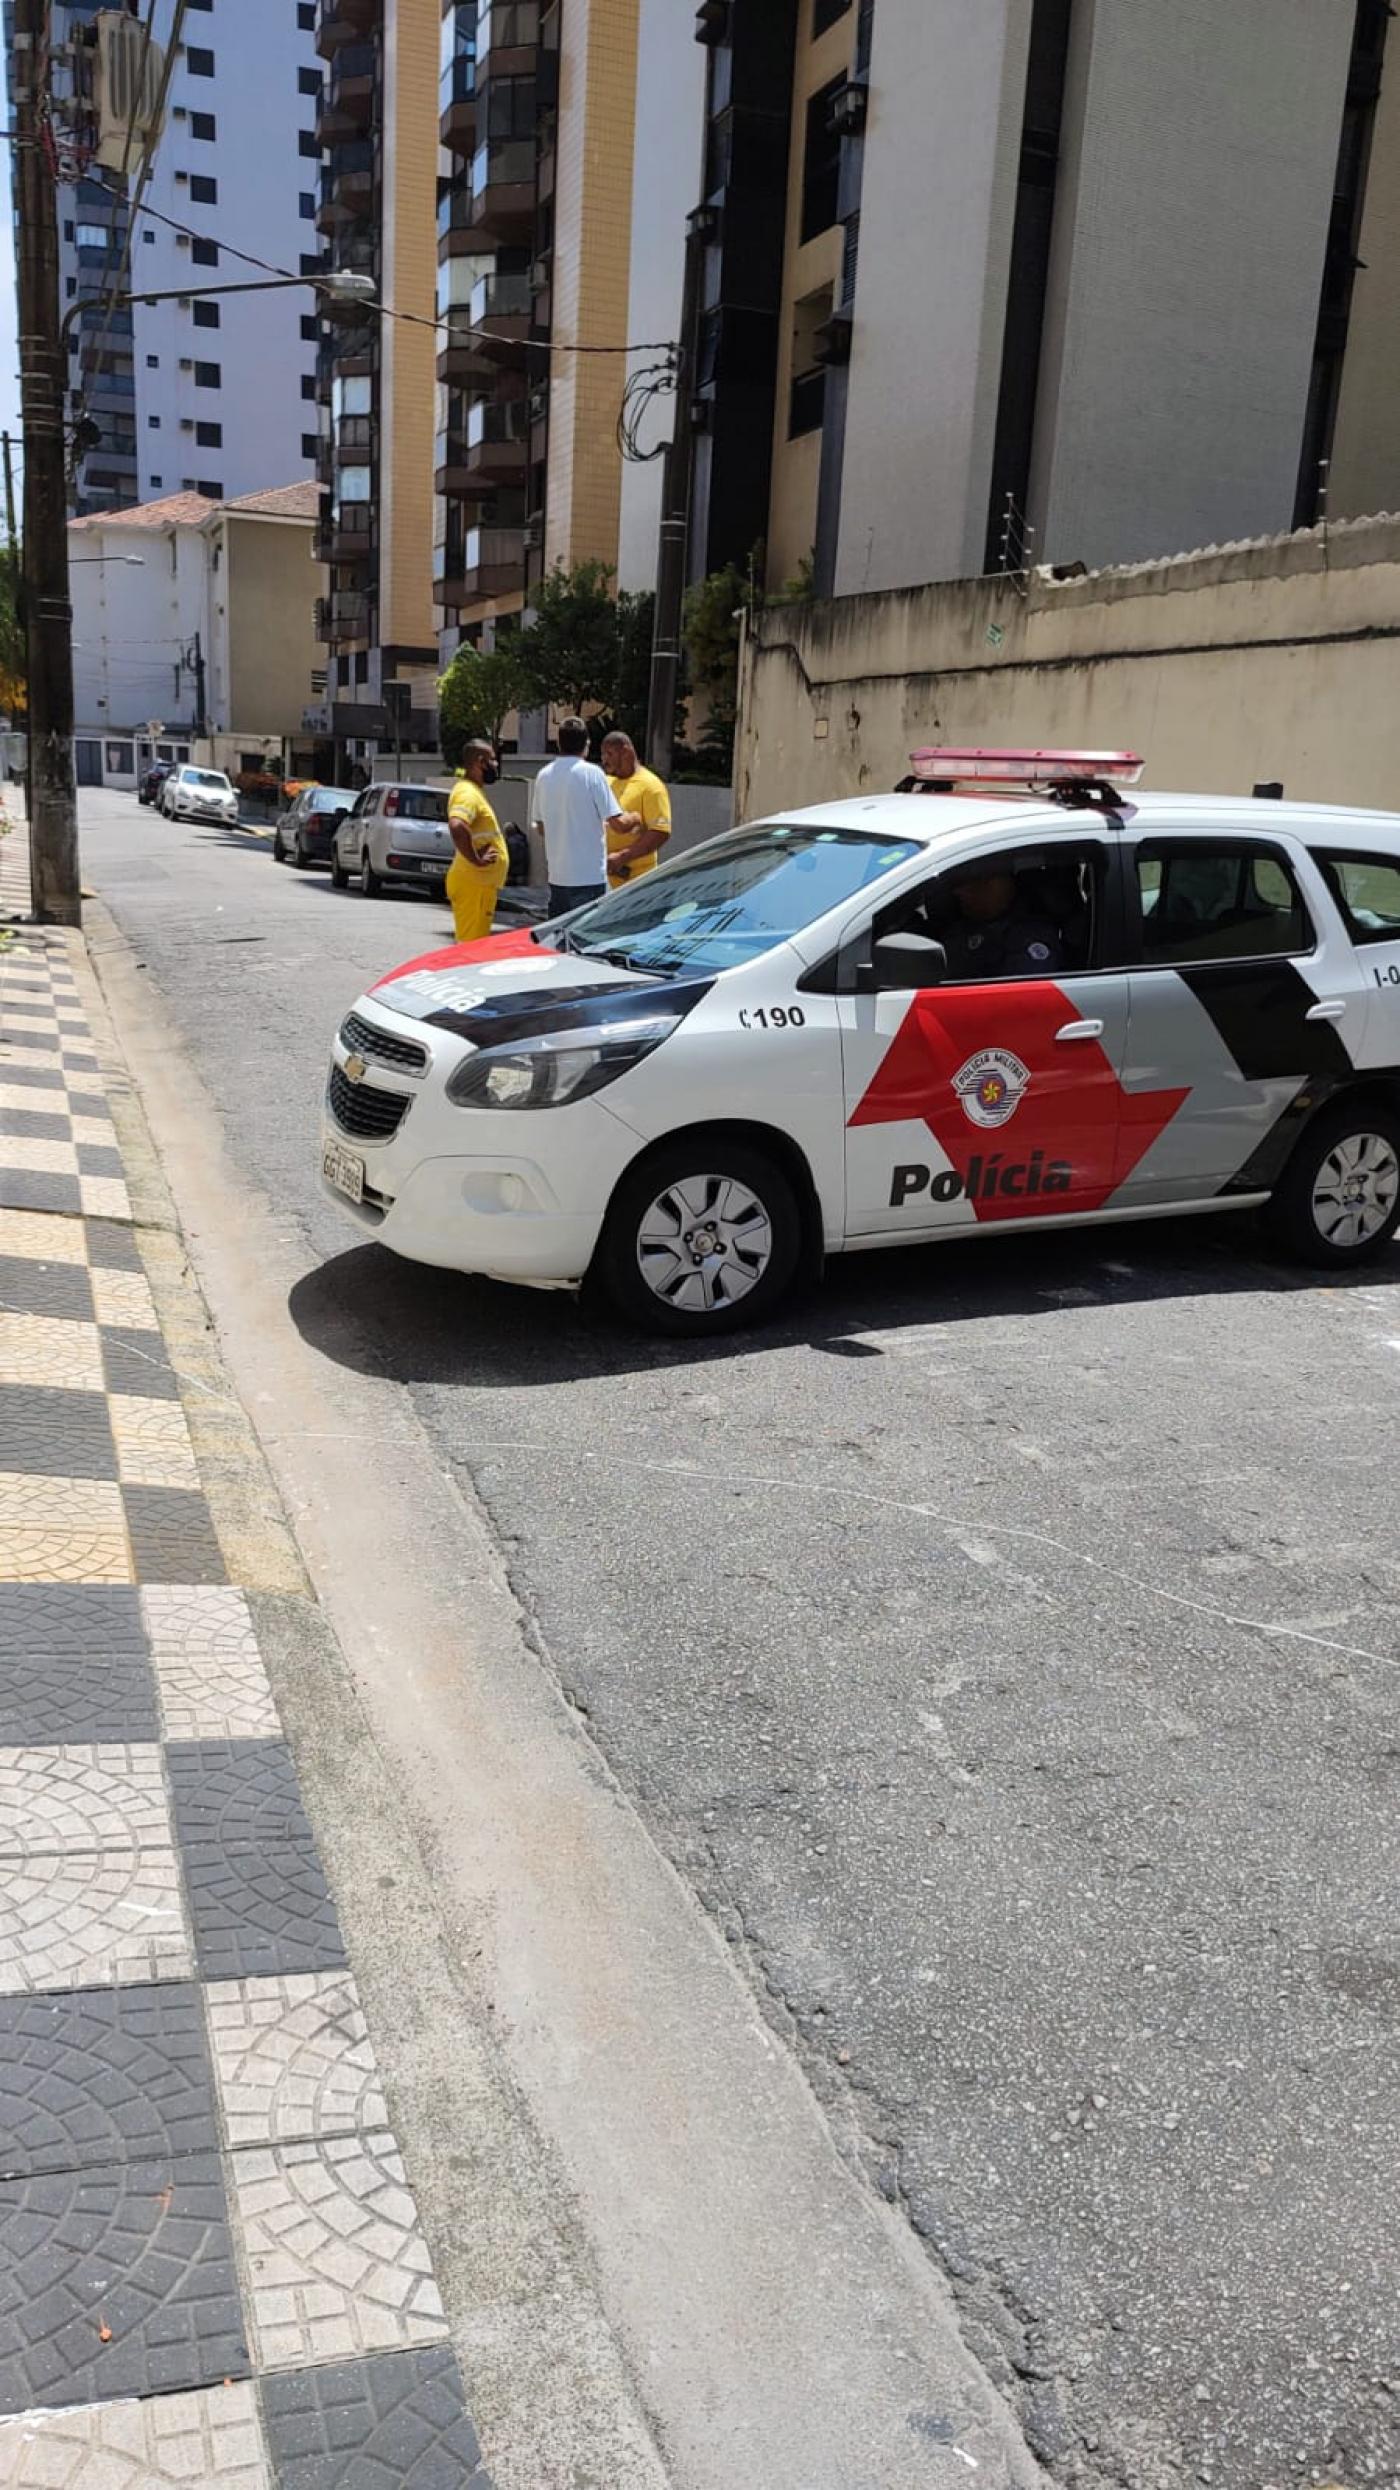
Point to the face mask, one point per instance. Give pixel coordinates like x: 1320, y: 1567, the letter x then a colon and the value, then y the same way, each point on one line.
x: 489, y: 774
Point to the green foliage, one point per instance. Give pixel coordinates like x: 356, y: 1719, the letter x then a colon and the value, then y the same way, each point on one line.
x: 14, y: 663
x: 636, y: 622
x: 570, y: 651
x: 799, y: 590
x: 478, y: 693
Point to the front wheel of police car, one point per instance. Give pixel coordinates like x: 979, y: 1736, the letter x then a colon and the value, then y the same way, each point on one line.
x: 702, y: 1235
x: 1339, y: 1199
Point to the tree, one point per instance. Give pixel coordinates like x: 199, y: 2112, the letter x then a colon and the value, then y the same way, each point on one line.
x: 14, y: 690
x: 636, y: 623
x: 477, y: 695
x: 712, y: 611
x: 570, y: 650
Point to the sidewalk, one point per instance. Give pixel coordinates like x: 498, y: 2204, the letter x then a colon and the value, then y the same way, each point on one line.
x: 211, y: 2264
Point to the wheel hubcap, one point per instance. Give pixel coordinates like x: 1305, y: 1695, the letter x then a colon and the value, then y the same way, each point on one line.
x: 704, y: 1243
x: 1356, y: 1189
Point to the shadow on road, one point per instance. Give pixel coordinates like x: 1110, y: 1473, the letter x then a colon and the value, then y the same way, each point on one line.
x: 378, y: 1315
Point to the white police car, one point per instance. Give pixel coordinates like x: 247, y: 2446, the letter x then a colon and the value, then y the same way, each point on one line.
x: 1033, y: 1000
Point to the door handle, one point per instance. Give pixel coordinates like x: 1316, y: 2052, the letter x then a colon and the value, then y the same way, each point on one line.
x: 1326, y: 1011
x: 1082, y: 1029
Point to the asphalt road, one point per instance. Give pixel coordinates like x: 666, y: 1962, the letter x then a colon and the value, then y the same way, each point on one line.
x: 1006, y: 1647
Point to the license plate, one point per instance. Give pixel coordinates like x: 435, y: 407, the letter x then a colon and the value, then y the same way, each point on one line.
x: 432, y: 866
x: 342, y: 1169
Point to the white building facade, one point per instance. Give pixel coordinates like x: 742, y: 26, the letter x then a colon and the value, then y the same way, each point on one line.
x: 210, y: 395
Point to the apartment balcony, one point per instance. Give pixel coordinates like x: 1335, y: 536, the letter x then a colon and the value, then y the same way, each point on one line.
x: 507, y: 37
x: 348, y: 184
x: 463, y: 362
x: 501, y: 307
x: 503, y: 189
x: 489, y: 451
x: 345, y: 22
x: 347, y: 100
x: 457, y: 126
x: 484, y: 562
x: 461, y: 235
x: 346, y: 616
x: 355, y: 437
x: 351, y: 535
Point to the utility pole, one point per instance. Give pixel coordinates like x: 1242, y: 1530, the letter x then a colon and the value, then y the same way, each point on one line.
x: 201, y: 718
x: 53, y: 807
x: 675, y: 532
x: 11, y: 530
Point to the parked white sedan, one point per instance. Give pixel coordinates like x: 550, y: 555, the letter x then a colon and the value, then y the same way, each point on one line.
x: 191, y: 794
x: 394, y: 834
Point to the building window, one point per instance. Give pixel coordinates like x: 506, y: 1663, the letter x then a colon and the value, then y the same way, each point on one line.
x: 154, y: 422
x: 199, y: 4
x: 310, y: 328
x: 153, y: 362
x: 308, y: 385
x: 806, y: 403
x: 308, y: 144
x: 306, y: 16
x: 205, y: 315
x: 309, y: 445
x: 308, y: 82
x: 821, y: 163
x: 208, y: 375
x: 199, y: 63
x: 203, y: 125
x: 210, y: 487
x: 93, y: 237
x: 313, y: 263
x: 209, y: 436
x: 826, y: 12
x: 155, y: 484
x: 306, y: 204
x: 204, y: 254
x: 204, y: 188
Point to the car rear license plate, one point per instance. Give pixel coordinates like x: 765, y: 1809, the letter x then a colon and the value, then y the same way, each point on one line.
x: 342, y: 1169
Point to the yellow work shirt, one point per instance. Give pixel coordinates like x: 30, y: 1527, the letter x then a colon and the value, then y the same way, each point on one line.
x: 472, y: 886
x: 644, y: 795
x: 468, y: 809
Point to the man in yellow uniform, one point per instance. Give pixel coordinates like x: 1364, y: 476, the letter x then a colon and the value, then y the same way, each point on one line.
x: 482, y: 860
x: 635, y: 845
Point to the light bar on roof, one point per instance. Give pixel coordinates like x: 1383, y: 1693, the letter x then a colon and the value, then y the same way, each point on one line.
x: 1027, y: 768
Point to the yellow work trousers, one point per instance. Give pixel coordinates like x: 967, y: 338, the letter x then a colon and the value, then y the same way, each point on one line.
x: 471, y: 893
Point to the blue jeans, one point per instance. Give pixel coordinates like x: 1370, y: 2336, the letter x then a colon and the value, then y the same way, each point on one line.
x: 566, y: 895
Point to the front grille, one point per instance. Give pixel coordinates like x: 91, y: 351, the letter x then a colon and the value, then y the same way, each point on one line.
x: 370, y: 1114
x: 363, y: 1037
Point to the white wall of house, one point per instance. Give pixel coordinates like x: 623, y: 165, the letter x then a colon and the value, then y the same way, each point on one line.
x: 131, y: 625
x: 665, y: 187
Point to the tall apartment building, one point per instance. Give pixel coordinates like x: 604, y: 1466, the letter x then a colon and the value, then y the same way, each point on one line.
x: 201, y: 396
x: 1103, y: 281
x: 379, y: 129
x: 572, y: 130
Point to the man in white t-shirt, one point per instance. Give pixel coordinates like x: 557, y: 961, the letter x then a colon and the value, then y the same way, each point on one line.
x: 575, y: 808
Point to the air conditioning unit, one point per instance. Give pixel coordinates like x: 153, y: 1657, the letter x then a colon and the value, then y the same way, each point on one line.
x: 186, y: 421
x: 187, y: 362
x: 130, y: 74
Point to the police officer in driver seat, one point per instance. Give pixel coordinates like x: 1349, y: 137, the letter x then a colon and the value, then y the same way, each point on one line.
x: 997, y: 931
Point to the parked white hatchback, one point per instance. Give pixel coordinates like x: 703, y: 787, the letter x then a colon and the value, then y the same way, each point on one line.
x: 191, y: 794
x: 393, y: 834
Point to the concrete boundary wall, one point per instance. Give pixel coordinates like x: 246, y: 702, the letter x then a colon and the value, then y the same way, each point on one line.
x: 1273, y: 660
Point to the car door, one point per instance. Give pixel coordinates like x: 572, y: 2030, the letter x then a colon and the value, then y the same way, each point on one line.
x: 975, y: 1099
x: 1244, y: 992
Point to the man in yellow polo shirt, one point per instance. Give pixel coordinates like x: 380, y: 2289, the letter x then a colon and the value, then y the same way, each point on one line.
x: 635, y: 845
x: 482, y: 860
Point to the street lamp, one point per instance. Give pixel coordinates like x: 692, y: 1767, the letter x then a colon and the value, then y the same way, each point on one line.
x: 349, y: 288
x: 131, y: 561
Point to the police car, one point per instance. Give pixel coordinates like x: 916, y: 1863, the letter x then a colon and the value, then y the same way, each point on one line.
x: 1014, y: 994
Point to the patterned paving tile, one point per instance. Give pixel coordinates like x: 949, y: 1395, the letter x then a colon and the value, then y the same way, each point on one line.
x: 137, y: 1361
x: 70, y: 1620
x: 35, y: 1350
x: 97, y: 1159
x: 45, y: 1430
x: 83, y: 1920
x: 57, y: 1701
x: 62, y: 1529
x: 204, y: 2441
x: 397, y: 2421
x: 31, y: 1123
x: 210, y: 1673
x: 46, y: 1158
x: 20, y: 1190
x: 117, y: 2281
x: 261, y: 1913
x: 153, y: 1447
x: 103, y: 1197
x: 239, y: 1793
x: 172, y: 1536
x: 33, y: 1235
x: 111, y: 1246
x: 293, y: 2060
x: 123, y: 1300
x: 103, y: 2076
x: 62, y: 1291
x: 89, y: 1102
x: 336, y: 2262
x: 74, y: 1798
x: 92, y: 1131
x: 18, y: 1079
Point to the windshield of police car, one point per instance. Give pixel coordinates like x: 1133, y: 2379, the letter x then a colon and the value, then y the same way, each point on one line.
x: 736, y: 898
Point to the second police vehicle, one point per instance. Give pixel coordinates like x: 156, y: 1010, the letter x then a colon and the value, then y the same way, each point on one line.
x: 1015, y: 995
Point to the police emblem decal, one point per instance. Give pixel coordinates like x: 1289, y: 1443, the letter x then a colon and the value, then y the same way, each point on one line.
x: 991, y: 1085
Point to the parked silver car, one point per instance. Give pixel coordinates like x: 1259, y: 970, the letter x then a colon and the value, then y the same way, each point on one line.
x: 394, y: 834
x: 190, y: 794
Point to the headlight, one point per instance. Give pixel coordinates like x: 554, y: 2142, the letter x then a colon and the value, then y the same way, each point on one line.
x: 563, y: 1064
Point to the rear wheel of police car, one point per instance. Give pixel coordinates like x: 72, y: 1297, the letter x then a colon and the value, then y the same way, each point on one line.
x: 1338, y: 1201
x: 704, y: 1235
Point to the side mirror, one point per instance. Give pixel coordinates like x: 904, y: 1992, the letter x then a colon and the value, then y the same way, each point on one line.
x: 904, y: 962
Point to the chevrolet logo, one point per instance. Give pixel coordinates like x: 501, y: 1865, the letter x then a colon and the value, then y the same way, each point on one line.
x: 355, y: 1067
